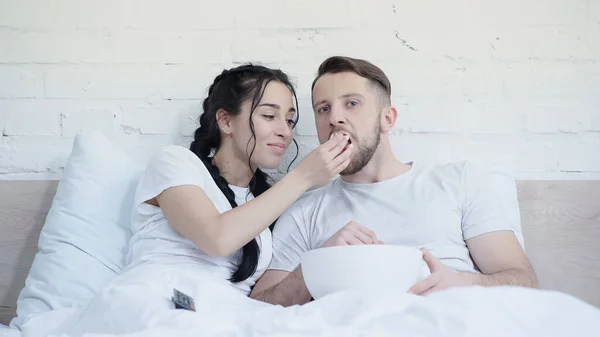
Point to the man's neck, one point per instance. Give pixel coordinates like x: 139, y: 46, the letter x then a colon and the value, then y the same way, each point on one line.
x: 382, y: 166
x: 235, y: 170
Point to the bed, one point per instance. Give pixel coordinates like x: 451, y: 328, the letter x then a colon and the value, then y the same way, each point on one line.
x: 561, y: 223
x: 560, y: 219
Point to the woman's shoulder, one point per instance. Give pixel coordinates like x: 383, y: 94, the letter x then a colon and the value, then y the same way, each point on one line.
x: 176, y: 152
x: 176, y: 157
x: 170, y: 166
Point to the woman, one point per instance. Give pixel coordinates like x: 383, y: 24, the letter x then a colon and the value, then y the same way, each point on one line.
x: 187, y: 199
x: 201, y: 215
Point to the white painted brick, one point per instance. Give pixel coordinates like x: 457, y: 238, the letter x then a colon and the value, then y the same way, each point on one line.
x: 306, y: 121
x: 20, y: 82
x: 25, y: 47
x: 499, y: 149
x: 367, y: 43
x: 592, y: 77
x: 514, y: 82
x: 465, y: 45
x: 302, y: 77
x: 177, y: 15
x: 58, y: 14
x: 413, y: 70
x: 456, y: 115
x: 308, y: 47
x: 274, y: 47
x: 444, y: 78
x: 30, y: 118
x: 460, y: 44
x: 113, y: 47
x: 150, y: 122
x: 475, y: 80
x: 594, y: 13
x: 544, y: 148
x: 534, y: 155
x: 294, y: 14
x: 3, y: 120
x: 510, y: 151
x: 175, y: 118
x: 557, y: 117
x: 419, y: 148
x: 470, y: 44
x: 551, y: 79
x: 103, y: 82
x: 33, y: 154
x: 187, y: 82
x: 430, y: 116
x: 104, y: 120
x: 545, y: 43
x: 500, y: 117
x: 576, y: 154
x: 595, y: 118
x: 489, y: 13
x: 188, y: 119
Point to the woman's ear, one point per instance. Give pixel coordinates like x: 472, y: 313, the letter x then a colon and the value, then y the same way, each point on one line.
x: 223, y: 121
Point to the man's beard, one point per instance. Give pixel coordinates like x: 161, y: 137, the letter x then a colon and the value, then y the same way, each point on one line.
x: 362, y: 152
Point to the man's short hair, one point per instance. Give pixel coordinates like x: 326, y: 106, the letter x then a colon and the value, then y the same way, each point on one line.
x: 366, y: 69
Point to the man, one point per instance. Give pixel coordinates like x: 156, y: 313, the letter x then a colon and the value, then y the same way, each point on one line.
x: 465, y: 216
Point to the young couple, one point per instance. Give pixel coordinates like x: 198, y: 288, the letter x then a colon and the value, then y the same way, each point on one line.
x: 211, y: 209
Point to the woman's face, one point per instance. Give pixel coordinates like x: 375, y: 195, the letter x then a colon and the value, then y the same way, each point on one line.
x: 273, y: 120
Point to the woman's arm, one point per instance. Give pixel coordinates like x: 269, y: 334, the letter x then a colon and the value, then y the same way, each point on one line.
x: 191, y: 213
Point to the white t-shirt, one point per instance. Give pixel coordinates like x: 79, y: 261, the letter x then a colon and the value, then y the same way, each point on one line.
x: 436, y: 206
x: 155, y: 241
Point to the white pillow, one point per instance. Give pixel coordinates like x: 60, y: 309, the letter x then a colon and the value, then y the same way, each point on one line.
x: 83, y: 243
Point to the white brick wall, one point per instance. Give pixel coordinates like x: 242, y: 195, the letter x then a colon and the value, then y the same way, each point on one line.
x: 514, y: 81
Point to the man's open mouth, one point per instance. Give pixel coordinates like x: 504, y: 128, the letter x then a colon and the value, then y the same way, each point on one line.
x: 347, y: 144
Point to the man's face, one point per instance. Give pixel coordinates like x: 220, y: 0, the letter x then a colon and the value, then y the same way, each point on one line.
x: 347, y: 103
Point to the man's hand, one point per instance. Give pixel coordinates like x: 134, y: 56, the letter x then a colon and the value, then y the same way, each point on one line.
x: 352, y: 234
x: 441, y: 277
x: 285, y: 288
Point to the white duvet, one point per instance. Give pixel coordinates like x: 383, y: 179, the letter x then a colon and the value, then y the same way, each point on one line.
x: 138, y: 304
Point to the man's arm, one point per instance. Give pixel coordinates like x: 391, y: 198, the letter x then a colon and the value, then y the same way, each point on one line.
x: 282, y: 288
x: 288, y: 288
x: 492, y: 228
x: 501, y: 260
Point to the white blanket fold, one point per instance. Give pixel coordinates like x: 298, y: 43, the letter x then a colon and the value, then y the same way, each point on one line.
x: 138, y: 303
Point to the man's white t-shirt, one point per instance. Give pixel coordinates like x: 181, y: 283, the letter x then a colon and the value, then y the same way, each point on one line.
x: 155, y: 241
x: 435, y: 206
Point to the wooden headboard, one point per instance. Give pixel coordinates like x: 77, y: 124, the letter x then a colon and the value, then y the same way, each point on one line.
x: 560, y: 219
x: 23, y: 209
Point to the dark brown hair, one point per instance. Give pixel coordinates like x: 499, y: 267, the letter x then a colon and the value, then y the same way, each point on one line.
x: 366, y: 69
x: 228, y: 92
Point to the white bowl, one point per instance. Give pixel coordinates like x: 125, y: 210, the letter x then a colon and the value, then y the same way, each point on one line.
x: 368, y: 268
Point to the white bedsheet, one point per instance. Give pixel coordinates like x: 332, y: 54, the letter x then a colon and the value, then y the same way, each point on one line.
x: 6, y: 331
x: 134, y: 306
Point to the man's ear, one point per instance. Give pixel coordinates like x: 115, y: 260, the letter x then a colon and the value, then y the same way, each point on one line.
x: 388, y: 118
x: 223, y: 121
